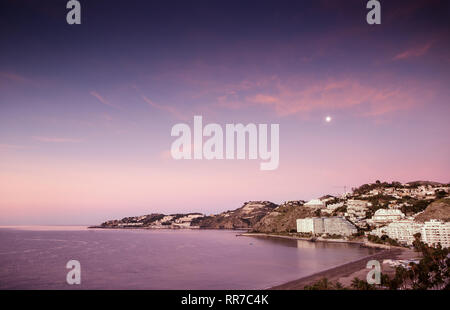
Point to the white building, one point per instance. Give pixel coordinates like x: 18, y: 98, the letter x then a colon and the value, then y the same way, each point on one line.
x: 188, y: 218
x: 402, y: 230
x: 331, y: 207
x: 357, y: 208
x: 435, y: 231
x: 312, y: 225
x: 325, y: 200
x: 315, y: 203
x: 432, y: 232
x: 326, y: 225
x: 337, y: 225
x: 357, y: 204
x: 334, y: 206
x: 386, y: 216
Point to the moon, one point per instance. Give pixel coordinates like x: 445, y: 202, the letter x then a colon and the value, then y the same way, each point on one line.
x: 328, y: 119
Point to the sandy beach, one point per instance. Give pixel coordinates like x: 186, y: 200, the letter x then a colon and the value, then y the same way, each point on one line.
x: 347, y: 272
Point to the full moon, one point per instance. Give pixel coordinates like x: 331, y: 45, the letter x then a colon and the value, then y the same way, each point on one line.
x: 328, y: 119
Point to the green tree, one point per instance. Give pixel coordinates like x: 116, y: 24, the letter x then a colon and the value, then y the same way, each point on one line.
x: 432, y: 271
x: 324, y: 284
x: 358, y: 284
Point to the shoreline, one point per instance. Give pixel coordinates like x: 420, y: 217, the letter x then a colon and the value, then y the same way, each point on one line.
x: 334, y: 274
x: 319, y: 239
x: 343, y: 273
x: 167, y: 228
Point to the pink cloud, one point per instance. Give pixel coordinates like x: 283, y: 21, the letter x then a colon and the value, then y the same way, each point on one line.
x: 11, y: 146
x: 264, y: 99
x: 230, y: 102
x: 407, y: 10
x: 107, y: 117
x: 55, y: 139
x: 335, y: 94
x: 414, y: 52
x: 102, y: 99
x: 166, y: 108
x: 13, y: 77
x: 165, y: 155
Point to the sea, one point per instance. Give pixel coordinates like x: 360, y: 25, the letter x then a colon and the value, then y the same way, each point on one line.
x: 36, y: 257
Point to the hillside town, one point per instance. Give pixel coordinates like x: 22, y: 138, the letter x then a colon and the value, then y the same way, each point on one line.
x: 381, y: 212
x: 154, y: 221
x: 384, y: 210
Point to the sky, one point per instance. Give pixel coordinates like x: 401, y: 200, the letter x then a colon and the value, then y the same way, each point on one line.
x: 86, y: 110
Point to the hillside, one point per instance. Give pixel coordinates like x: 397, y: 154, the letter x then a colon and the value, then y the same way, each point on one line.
x: 242, y: 218
x: 421, y: 198
x: 440, y: 210
x: 283, y: 218
x: 419, y: 183
x: 154, y: 220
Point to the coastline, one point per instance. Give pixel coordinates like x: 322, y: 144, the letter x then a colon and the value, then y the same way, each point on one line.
x: 344, y: 273
x: 319, y: 239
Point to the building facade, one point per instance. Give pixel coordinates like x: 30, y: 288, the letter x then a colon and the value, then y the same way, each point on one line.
x: 326, y: 225
x: 434, y: 232
x: 382, y: 216
x: 402, y: 230
x: 356, y: 209
x: 337, y: 225
x: 334, y: 206
x: 312, y: 225
x: 315, y: 203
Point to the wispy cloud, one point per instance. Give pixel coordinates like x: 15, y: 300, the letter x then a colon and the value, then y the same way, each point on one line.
x: 56, y: 139
x: 9, y: 79
x: 166, y: 108
x: 13, y: 77
x: 107, y: 117
x: 414, y: 52
x: 102, y: 99
x: 301, y: 96
x: 11, y: 146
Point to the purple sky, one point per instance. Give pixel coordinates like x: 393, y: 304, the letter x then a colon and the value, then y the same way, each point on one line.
x: 86, y: 110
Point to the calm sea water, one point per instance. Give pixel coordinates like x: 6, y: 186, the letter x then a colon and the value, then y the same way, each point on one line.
x: 35, y: 258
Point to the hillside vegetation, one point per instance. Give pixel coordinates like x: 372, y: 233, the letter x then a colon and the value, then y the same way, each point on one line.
x: 283, y: 218
x: 244, y: 217
x: 439, y: 210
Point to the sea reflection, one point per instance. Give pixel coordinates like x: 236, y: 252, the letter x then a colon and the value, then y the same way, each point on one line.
x: 163, y: 259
